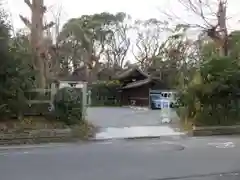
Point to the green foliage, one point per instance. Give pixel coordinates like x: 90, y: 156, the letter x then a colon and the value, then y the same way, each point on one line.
x: 212, y: 97
x: 68, y: 105
x: 234, y: 44
x: 86, y: 37
x: 15, y: 75
x: 105, y: 93
x: 209, y: 50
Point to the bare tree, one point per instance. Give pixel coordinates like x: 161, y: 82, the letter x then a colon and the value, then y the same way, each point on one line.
x: 118, y: 46
x: 149, y: 40
x: 214, y: 21
x: 55, y: 50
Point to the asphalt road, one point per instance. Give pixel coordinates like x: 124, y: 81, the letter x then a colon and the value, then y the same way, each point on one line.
x: 180, y: 159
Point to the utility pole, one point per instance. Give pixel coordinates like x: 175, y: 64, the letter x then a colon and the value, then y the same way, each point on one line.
x: 37, y: 38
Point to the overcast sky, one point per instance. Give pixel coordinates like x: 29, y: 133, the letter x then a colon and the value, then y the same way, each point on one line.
x: 138, y: 9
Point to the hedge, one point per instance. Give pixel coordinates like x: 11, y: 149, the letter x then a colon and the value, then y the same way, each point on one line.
x: 105, y: 93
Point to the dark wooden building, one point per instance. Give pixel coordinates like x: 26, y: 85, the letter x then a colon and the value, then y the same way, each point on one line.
x: 137, y: 86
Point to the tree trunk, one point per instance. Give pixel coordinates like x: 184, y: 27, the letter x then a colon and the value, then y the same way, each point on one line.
x: 41, y: 79
x: 36, y: 41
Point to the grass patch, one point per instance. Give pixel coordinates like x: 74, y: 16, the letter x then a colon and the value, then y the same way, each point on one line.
x: 83, y: 130
x: 30, y: 123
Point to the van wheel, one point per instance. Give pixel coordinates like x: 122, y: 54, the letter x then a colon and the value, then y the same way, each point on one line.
x: 152, y: 106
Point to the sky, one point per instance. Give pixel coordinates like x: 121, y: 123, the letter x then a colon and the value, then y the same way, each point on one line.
x: 138, y: 9
x: 75, y: 8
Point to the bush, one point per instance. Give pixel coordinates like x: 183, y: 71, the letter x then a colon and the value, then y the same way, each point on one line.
x: 105, y: 93
x: 68, y: 105
x: 16, y: 76
x: 212, y: 97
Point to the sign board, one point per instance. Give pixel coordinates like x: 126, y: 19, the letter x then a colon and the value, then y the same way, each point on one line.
x: 165, y: 113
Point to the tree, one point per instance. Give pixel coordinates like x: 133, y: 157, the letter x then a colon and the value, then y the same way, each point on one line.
x: 217, y: 31
x: 88, y: 36
x: 117, y: 47
x: 234, y: 44
x: 16, y: 76
x: 175, y: 59
x: 211, y: 98
x: 40, y: 46
x: 149, y: 40
x: 208, y: 48
x: 54, y: 50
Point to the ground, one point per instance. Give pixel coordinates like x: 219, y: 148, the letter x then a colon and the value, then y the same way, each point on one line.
x: 168, y: 158
x: 129, y: 122
x: 123, y: 117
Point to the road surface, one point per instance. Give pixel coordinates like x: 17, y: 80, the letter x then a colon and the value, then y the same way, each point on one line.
x: 210, y: 158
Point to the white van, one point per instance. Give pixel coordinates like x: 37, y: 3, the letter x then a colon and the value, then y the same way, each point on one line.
x: 169, y: 95
x: 164, y: 95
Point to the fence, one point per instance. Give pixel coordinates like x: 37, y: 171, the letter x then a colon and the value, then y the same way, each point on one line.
x: 40, y: 101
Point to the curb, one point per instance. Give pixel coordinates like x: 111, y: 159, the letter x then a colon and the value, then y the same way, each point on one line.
x: 167, y: 137
x: 21, y: 147
x: 137, y: 108
x: 216, y: 130
x: 92, y: 140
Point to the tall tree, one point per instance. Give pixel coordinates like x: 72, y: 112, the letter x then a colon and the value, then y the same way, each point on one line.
x: 175, y: 59
x: 15, y: 72
x: 214, y: 25
x: 117, y: 47
x: 37, y: 41
x: 88, y: 36
x: 148, y: 40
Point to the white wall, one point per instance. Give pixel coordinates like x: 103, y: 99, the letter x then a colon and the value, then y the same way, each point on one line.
x: 66, y: 84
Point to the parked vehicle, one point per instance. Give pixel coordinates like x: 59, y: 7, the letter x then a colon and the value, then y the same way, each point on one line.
x: 156, y: 99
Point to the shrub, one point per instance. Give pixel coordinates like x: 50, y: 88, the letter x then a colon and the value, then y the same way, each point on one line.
x: 212, y: 97
x: 68, y: 105
x: 105, y: 93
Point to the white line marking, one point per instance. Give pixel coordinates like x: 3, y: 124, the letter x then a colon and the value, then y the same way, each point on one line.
x: 223, y: 145
x: 13, y: 153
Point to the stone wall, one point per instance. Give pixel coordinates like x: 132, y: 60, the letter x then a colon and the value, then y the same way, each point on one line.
x: 39, y: 136
x: 216, y: 130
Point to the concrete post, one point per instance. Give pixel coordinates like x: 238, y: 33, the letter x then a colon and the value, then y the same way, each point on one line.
x: 84, y: 101
x: 165, y: 114
x: 53, y: 91
x: 89, y: 97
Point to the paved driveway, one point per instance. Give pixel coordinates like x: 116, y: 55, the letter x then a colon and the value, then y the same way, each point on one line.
x: 118, y: 123
x: 123, y: 117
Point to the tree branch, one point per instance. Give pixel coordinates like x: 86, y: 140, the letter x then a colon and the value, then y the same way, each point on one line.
x: 26, y: 21
x: 48, y: 26
x: 28, y: 3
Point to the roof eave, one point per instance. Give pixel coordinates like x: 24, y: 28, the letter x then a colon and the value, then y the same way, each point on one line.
x: 128, y: 72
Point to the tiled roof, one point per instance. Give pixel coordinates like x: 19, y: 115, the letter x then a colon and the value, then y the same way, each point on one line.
x: 137, y: 83
x: 128, y: 72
